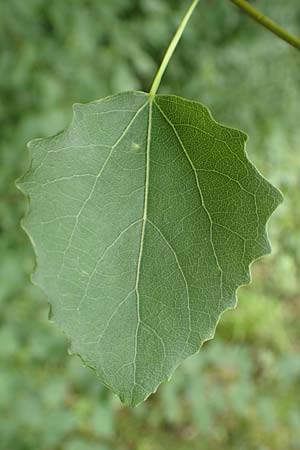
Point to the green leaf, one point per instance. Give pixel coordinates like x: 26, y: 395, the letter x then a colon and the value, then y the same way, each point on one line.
x: 145, y: 215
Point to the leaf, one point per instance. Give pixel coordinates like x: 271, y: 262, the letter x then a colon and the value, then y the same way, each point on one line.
x: 145, y: 215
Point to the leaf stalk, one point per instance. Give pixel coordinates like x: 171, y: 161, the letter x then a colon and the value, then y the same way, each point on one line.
x: 172, y: 48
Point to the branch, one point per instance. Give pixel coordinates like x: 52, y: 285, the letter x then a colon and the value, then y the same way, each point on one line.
x: 267, y: 23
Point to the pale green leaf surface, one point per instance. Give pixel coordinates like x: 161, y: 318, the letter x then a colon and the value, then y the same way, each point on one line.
x: 145, y: 215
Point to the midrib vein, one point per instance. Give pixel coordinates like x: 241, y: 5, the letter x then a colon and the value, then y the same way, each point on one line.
x: 144, y: 220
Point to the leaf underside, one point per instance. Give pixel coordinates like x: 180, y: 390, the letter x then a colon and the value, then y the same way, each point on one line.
x: 144, y: 214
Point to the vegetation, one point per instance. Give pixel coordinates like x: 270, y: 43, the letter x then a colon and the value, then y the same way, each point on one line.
x: 241, y: 392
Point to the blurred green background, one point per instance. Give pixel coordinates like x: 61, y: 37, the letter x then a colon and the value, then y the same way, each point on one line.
x: 242, y: 391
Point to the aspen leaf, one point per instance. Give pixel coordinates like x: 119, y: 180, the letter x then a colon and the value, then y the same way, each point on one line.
x: 145, y: 215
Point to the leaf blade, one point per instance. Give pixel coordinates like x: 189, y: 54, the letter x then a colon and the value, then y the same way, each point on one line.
x: 158, y: 214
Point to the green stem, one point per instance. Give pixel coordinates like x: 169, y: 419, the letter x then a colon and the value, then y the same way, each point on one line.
x: 171, y: 48
x: 242, y: 4
x: 267, y: 23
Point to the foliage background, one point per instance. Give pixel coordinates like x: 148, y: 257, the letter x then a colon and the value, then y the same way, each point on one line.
x: 242, y: 391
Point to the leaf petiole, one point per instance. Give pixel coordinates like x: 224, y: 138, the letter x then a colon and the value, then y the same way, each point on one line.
x: 171, y: 48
